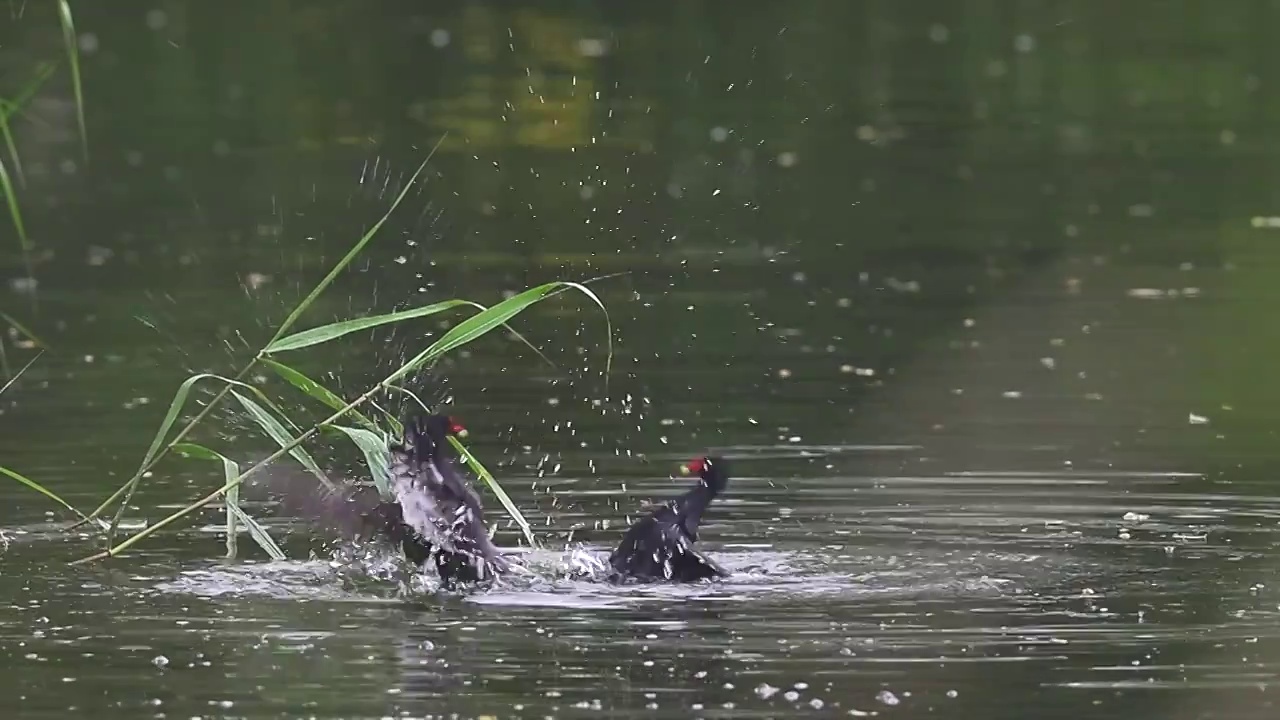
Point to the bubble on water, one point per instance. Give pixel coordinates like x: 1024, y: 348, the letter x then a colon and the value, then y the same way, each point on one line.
x: 719, y: 134
x: 1024, y: 43
x: 160, y: 661
x: 766, y: 691
x: 888, y: 698
x: 440, y: 38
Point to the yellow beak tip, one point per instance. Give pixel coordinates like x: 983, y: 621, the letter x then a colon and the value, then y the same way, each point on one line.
x: 462, y: 433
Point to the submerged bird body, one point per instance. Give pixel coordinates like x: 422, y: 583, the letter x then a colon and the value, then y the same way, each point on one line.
x: 436, y: 515
x: 660, y: 546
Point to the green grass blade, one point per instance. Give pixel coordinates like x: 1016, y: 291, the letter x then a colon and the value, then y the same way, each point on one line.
x: 129, y: 486
x: 315, y: 390
x: 175, y: 407
x: 276, y: 431
x: 235, y: 513
x: 470, y: 329
x: 376, y: 456
x: 232, y: 504
x: 11, y: 107
x: 179, y: 514
x: 15, y: 213
x: 17, y: 375
x: 486, y: 321
x: 73, y: 57
x: 496, y: 488
x: 23, y: 329
x: 256, y: 531
x: 12, y: 147
x: 40, y: 489
x: 354, y: 251
x: 171, y: 416
x: 333, y: 331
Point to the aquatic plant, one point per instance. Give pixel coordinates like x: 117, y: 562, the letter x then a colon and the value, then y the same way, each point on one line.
x: 11, y: 106
x: 30, y: 338
x: 371, y: 436
x: 19, y: 477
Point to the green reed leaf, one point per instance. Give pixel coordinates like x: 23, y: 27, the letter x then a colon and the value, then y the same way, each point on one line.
x: 376, y: 456
x: 315, y: 390
x: 32, y: 484
x: 493, y: 484
x: 276, y: 431
x: 488, y: 320
x: 333, y: 331
x: 235, y: 513
x: 72, y: 44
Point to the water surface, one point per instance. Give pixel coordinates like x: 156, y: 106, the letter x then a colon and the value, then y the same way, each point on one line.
x: 975, y: 299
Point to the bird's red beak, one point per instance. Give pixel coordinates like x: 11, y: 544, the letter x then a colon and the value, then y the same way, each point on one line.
x: 693, y: 467
x: 456, y: 428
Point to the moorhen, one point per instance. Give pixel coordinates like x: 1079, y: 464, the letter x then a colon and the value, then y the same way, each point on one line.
x: 660, y: 546
x: 436, y: 515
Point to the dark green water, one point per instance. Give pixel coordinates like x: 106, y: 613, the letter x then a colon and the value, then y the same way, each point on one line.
x: 977, y: 297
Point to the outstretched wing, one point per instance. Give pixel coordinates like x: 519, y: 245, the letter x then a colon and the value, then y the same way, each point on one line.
x: 439, y: 504
x: 427, y: 505
x: 687, y: 564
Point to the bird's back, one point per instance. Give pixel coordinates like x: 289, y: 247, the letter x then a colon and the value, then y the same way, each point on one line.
x: 657, y: 547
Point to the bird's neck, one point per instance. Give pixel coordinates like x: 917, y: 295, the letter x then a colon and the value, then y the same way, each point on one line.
x: 691, y: 506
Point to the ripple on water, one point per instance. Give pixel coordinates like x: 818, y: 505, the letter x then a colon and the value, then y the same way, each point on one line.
x: 575, y: 578
x: 911, y: 586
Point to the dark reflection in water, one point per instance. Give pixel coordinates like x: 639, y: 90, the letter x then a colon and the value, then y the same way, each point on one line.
x: 976, y: 296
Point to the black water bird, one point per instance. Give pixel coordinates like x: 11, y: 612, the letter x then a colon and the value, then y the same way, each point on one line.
x: 660, y: 545
x: 435, y: 514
